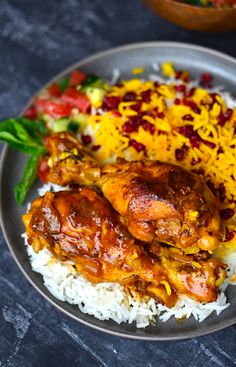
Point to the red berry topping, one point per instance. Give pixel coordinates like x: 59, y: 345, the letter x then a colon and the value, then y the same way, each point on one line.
x: 146, y: 96
x: 187, y: 118
x: 195, y: 140
x: 137, y: 146
x: 195, y: 161
x: 222, y: 192
x: 186, y: 130
x: 129, y: 97
x: 180, y: 88
x: 95, y: 147
x: 226, y: 213
x: 86, y: 139
x: 179, y: 154
x: 229, y: 235
x: 160, y: 115
x: 110, y: 103
x: 228, y: 114
x: 211, y: 187
x: 206, y: 80
x: 137, y: 106
x: 209, y: 144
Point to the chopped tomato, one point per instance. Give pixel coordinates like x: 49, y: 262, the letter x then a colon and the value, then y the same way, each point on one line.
x: 77, y: 77
x: 222, y: 3
x: 54, y: 109
x: 47, y: 142
x: 76, y: 99
x: 43, y: 170
x: 54, y: 90
x: 31, y: 113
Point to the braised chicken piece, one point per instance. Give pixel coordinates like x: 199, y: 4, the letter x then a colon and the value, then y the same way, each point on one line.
x: 70, y: 162
x: 159, y: 201
x: 164, y: 202
x: 81, y: 225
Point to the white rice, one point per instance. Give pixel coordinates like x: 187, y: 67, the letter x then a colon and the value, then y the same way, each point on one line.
x: 110, y: 300
x: 156, y: 66
x: 115, y: 77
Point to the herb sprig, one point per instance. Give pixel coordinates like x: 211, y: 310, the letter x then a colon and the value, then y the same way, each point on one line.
x: 26, y: 136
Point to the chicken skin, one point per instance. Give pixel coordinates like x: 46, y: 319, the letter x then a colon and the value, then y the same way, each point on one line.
x: 164, y: 202
x: 159, y: 201
x: 81, y: 225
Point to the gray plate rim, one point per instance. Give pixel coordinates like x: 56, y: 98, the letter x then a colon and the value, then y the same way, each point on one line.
x: 141, y: 45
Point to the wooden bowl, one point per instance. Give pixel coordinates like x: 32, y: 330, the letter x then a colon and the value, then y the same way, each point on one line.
x: 194, y: 17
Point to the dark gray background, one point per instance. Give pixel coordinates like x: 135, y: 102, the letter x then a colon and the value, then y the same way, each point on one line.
x: 37, y: 40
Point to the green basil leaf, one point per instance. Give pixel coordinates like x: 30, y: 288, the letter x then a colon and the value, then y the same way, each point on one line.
x: 15, y: 143
x: 8, y: 126
x: 35, y: 128
x: 41, y: 125
x: 29, y: 176
x: 23, y: 134
x: 63, y: 84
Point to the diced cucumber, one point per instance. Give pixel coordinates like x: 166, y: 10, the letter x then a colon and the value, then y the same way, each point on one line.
x: 79, y: 119
x: 94, y: 88
x: 73, y: 127
x: 60, y: 125
x: 91, y: 81
x: 95, y: 94
x: 66, y: 125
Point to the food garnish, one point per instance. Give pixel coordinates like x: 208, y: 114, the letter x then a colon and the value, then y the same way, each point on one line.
x: 26, y: 136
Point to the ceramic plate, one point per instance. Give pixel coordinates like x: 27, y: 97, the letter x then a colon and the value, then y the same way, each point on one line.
x: 196, y: 60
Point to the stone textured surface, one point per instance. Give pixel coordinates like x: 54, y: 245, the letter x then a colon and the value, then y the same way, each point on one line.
x: 37, y: 40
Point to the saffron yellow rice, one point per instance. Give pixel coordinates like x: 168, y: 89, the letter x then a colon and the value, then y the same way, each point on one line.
x: 191, y: 127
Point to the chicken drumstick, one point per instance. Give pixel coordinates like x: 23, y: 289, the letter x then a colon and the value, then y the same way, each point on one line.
x: 158, y: 200
x: 82, y: 226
